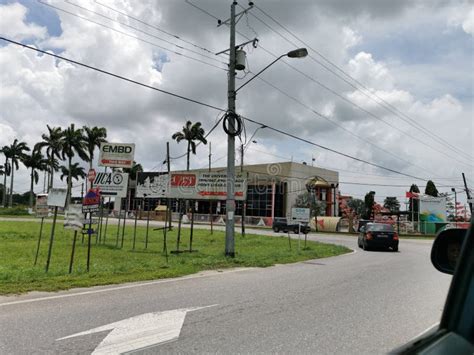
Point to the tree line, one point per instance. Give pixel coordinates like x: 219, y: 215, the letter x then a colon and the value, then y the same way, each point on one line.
x: 57, y: 145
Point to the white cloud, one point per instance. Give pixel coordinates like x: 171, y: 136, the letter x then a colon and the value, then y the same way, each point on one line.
x: 13, y: 23
x: 373, y: 74
x: 38, y: 90
x: 463, y: 16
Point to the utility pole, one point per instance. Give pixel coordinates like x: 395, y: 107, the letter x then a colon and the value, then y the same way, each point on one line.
x: 210, y: 201
x: 244, y: 202
x: 467, y: 193
x: 230, y: 202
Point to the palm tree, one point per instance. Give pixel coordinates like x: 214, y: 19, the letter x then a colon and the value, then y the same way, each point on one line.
x: 17, y: 152
x: 52, y: 142
x: 132, y: 172
x: 192, y: 133
x: 77, y: 172
x: 72, y: 141
x: 94, y: 137
x: 6, y: 172
x: 35, y: 162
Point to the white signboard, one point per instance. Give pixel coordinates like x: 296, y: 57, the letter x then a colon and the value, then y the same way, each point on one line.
x: 300, y: 214
x: 73, y: 218
x: 42, y: 209
x: 432, y: 209
x: 112, y: 184
x: 205, y: 186
x: 57, y: 197
x: 152, y: 185
x: 117, y: 155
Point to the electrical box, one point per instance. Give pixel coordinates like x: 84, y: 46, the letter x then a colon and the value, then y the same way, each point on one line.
x: 240, y: 59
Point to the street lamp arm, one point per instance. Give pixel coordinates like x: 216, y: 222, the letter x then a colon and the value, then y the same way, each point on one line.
x: 260, y: 72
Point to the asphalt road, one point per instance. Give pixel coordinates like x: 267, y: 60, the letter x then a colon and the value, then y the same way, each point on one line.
x: 364, y: 303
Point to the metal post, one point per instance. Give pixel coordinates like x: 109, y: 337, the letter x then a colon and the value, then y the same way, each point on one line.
x: 210, y: 201
x: 52, y: 238
x: 168, y: 200
x: 467, y: 193
x: 230, y: 202
x: 89, y: 232
x: 455, y: 207
x: 135, y: 229
x: 106, y: 221
x: 39, y: 240
x: 244, y: 203
x: 72, y: 252
x: 147, y: 226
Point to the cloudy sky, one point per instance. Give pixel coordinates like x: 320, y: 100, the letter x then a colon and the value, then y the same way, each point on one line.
x: 389, y: 82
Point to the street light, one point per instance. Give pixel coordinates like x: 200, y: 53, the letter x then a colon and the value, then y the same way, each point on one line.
x: 296, y: 53
x: 232, y: 118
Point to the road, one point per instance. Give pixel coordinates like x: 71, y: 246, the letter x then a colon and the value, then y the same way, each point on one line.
x: 364, y: 302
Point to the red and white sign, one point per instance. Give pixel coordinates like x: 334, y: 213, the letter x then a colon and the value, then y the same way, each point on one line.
x: 205, y: 186
x: 117, y: 155
x: 91, y: 175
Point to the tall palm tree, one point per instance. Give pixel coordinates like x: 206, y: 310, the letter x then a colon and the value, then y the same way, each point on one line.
x: 76, y: 172
x: 72, y: 142
x: 191, y: 133
x: 132, y: 172
x: 6, y: 172
x: 52, y: 143
x: 35, y: 161
x: 94, y: 137
x: 17, y: 152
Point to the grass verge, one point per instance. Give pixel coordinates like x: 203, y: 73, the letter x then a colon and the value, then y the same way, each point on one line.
x: 111, y: 264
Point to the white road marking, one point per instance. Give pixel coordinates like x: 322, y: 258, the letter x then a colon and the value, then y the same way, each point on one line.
x: 183, y: 278
x: 139, y: 332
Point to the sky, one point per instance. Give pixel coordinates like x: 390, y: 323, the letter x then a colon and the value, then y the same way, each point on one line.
x: 388, y: 82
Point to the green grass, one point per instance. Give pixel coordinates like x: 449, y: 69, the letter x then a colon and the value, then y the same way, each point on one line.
x: 110, y: 265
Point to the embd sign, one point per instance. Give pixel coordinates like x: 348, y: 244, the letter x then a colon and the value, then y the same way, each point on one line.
x: 116, y: 155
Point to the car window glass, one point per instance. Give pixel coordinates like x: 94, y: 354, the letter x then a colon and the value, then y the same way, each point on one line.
x: 380, y: 227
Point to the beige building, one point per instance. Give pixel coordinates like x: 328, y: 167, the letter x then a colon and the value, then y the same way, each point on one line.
x: 272, y: 190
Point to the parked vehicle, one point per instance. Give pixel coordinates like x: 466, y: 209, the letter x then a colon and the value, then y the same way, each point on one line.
x: 280, y: 224
x: 377, y: 235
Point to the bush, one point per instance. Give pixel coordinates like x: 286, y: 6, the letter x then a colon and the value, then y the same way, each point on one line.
x: 15, y: 211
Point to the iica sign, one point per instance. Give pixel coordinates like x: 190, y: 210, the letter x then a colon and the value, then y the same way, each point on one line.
x: 117, y: 155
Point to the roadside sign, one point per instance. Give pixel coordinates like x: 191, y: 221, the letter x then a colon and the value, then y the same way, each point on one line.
x: 205, y: 186
x: 112, y: 184
x: 91, y: 175
x: 57, y: 197
x: 152, y: 185
x: 73, y: 218
x: 91, y: 201
x: 300, y: 214
x: 42, y: 209
x: 116, y: 155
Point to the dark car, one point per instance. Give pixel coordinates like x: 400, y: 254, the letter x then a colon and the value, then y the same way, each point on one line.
x: 378, y: 235
x: 280, y: 224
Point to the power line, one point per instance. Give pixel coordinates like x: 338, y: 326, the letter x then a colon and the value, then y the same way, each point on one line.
x: 341, y: 126
x: 354, y: 104
x: 359, y: 173
x: 132, y: 36
x: 213, y: 107
x: 154, y: 27
x: 370, y: 94
x: 144, y: 32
